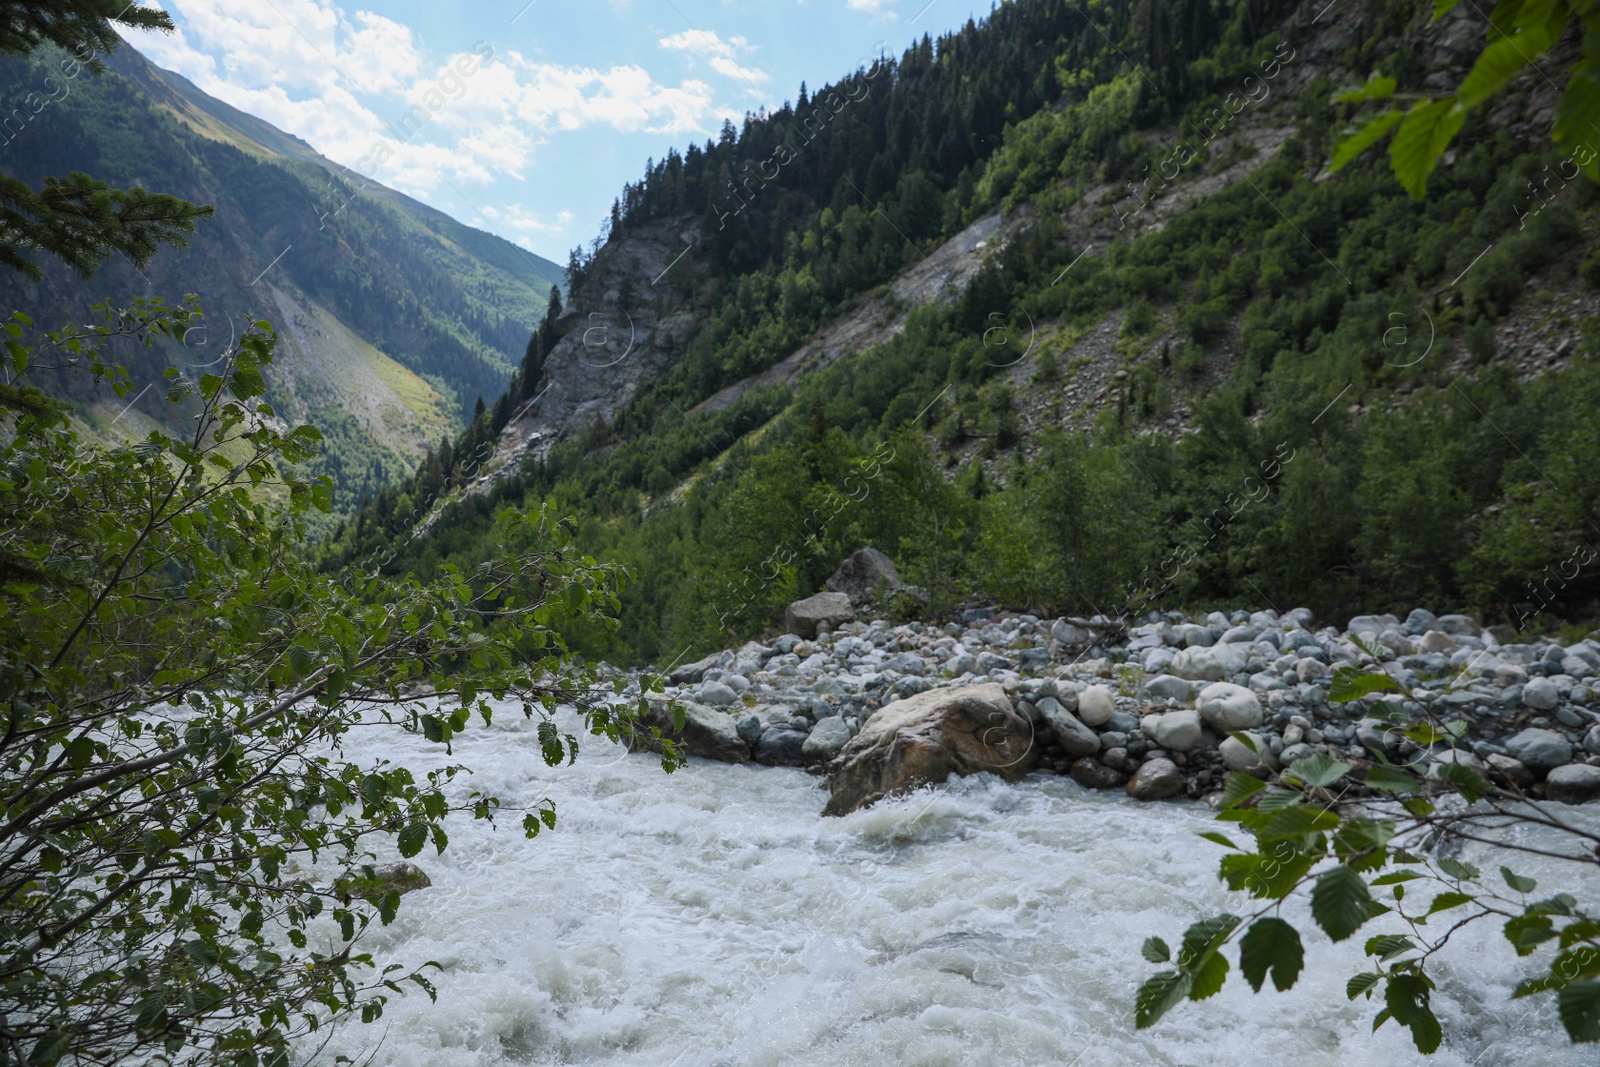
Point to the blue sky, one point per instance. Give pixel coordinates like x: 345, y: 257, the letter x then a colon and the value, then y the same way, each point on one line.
x: 527, y: 117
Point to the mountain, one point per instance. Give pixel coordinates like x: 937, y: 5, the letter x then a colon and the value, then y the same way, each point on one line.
x: 393, y: 318
x: 1071, y: 317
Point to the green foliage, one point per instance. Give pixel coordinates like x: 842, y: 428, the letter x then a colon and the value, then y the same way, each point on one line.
x: 1302, y: 824
x: 1518, y: 34
x: 175, y: 685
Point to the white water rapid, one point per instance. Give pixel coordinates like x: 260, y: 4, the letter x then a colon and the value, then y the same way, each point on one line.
x: 711, y: 917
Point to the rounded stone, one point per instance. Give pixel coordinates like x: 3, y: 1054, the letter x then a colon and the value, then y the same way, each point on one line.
x: 1540, y: 749
x: 1227, y: 707
x: 1156, y: 779
x: 1576, y: 783
x: 1238, y: 756
x: 1096, y: 705
x: 1178, y: 731
x: 1540, y: 694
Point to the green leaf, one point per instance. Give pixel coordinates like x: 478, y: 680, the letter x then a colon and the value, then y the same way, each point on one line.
x: 1340, y: 902
x: 1219, y: 839
x: 1391, y: 780
x: 1464, y: 872
x: 1360, y: 984
x: 1396, y: 878
x: 1377, y: 87
x: 1578, y: 114
x: 1208, y: 977
x: 1240, y: 787
x: 1421, y: 139
x: 1470, y: 783
x: 1527, y: 932
x: 1155, y: 950
x: 1517, y: 881
x: 1407, y: 1000
x: 50, y: 1048
x: 1538, y: 23
x: 300, y: 660
x: 1353, y: 683
x: 1388, y: 946
x: 1446, y: 901
x: 412, y: 838
x: 1271, y: 944
x: 1441, y: 8
x: 1159, y: 995
x: 1579, y: 1005
x: 1318, y: 769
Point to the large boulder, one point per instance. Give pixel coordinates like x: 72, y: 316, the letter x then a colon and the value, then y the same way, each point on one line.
x: 782, y: 746
x: 1072, y: 735
x: 1096, y: 705
x: 924, y: 739
x: 803, y: 617
x: 1540, y: 749
x: 1228, y: 707
x: 1250, y: 754
x: 1155, y: 779
x: 1175, y: 731
x: 373, y: 883
x: 867, y: 577
x: 825, y: 740
x: 1208, y: 664
x: 706, y: 731
x: 1576, y: 783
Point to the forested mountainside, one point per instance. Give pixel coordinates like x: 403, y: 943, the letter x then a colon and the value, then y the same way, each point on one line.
x: 1067, y: 311
x: 393, y: 318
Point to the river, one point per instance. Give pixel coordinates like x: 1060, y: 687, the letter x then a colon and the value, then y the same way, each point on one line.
x: 711, y: 917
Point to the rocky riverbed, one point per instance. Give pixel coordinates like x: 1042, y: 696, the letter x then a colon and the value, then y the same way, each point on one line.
x: 1157, y: 707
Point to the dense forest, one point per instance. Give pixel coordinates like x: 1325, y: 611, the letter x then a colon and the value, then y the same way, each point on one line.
x: 1267, y: 438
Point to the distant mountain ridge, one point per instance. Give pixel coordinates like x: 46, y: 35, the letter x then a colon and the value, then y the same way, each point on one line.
x: 393, y: 317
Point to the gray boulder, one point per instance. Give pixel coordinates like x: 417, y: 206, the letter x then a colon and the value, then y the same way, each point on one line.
x: 719, y: 694
x: 1072, y: 735
x: 1576, y: 783
x: 825, y: 740
x: 1155, y: 779
x: 1254, y: 758
x: 706, y: 732
x: 1540, y: 749
x: 782, y: 746
x: 1176, y: 731
x: 1228, y: 707
x: 689, y: 673
x: 1168, y: 687
x: 867, y: 577
x: 1208, y: 664
x: 404, y: 876
x: 924, y: 739
x: 749, y: 728
x: 804, y: 617
x: 1092, y: 774
x: 1096, y: 705
x: 1540, y: 694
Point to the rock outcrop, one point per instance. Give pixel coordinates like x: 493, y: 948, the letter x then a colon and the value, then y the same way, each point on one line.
x: 924, y: 739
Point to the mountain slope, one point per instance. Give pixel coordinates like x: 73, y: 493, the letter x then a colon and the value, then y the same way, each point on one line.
x: 1247, y: 378
x: 394, y: 317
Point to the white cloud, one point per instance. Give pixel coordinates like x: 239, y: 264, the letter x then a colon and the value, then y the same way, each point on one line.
x: 707, y: 45
x: 344, y: 82
x: 871, y: 7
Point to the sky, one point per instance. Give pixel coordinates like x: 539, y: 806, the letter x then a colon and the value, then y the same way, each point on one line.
x: 527, y: 117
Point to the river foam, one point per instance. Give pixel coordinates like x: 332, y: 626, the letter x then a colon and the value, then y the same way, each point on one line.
x: 711, y: 917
